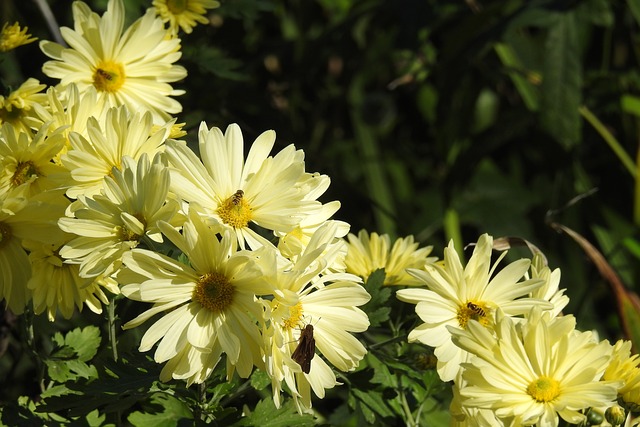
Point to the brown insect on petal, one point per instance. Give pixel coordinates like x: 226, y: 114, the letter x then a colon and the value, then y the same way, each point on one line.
x: 306, y: 349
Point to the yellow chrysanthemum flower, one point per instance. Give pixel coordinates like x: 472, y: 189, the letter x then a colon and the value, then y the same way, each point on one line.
x: 535, y: 371
x: 34, y: 219
x: 18, y: 107
x: 91, y: 159
x: 270, y: 192
x: 293, y: 243
x: 458, y: 294
x: 69, y: 110
x: 26, y: 163
x: 329, y: 303
x: 624, y: 366
x: 12, y: 36
x: 550, y: 289
x: 57, y: 286
x: 209, y: 305
x: 183, y: 14
x: 109, y: 224
x: 131, y: 67
x: 370, y: 252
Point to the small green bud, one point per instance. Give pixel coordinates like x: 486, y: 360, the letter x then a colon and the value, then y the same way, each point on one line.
x: 615, y: 415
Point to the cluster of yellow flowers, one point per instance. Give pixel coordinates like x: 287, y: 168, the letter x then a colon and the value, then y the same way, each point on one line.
x: 513, y: 358
x: 94, y: 177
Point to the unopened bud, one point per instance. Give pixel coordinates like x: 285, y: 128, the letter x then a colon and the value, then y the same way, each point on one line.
x: 615, y: 415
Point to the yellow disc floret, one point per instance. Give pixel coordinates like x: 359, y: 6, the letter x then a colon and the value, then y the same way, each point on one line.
x: 24, y: 171
x: 108, y: 76
x: 177, y: 6
x: 5, y: 234
x: 295, y: 316
x: 544, y: 389
x: 473, y: 310
x: 236, y: 211
x: 214, y: 292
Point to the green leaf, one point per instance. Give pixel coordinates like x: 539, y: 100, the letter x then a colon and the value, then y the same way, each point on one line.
x: 600, y: 12
x: 266, y: 414
x: 215, y: 61
x: 634, y: 6
x: 518, y: 74
x: 260, y: 379
x: 376, y: 308
x: 171, y: 411
x: 373, y: 401
x: 67, y: 361
x: 84, y: 342
x: 630, y: 104
x: 562, y: 81
x: 119, y: 386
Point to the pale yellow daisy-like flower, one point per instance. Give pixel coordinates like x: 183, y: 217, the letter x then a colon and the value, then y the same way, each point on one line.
x: 550, y: 289
x: 329, y: 303
x: 624, y: 366
x: 91, y: 159
x: 12, y: 36
x: 210, y: 303
x: 132, y: 67
x: 457, y: 294
x: 25, y: 160
x: 270, y: 192
x: 69, y: 110
x: 18, y: 107
x: 183, y: 14
x: 295, y: 241
x: 58, y: 287
x: 370, y: 252
x: 34, y: 219
x: 109, y: 224
x: 534, y: 371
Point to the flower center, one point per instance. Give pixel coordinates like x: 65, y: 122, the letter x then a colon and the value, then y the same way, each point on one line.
x: 177, y: 6
x: 108, y: 77
x: 295, y: 316
x: 12, y: 116
x: 235, y: 211
x: 5, y: 234
x: 544, y: 389
x: 24, y: 171
x: 473, y: 310
x: 127, y: 235
x: 214, y: 292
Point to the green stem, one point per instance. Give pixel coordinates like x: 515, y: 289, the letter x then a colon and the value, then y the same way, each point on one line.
x: 410, y: 421
x: 111, y: 312
x: 609, y: 139
x: 31, y: 343
x: 452, y: 230
x: 240, y: 391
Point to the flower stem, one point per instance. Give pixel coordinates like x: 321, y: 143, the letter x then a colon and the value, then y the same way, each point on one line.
x: 111, y: 312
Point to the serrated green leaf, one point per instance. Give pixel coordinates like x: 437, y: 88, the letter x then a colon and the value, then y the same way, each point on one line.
x: 84, y: 341
x: 260, y: 379
x: 381, y: 375
x: 172, y: 411
x: 562, y: 81
x: 376, y: 309
x: 266, y: 414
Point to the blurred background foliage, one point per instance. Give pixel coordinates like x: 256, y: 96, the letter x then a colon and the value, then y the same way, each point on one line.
x: 441, y: 119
